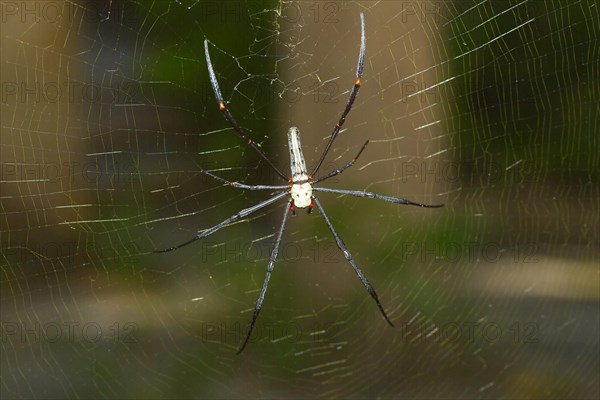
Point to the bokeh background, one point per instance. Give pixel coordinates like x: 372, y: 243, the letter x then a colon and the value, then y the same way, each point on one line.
x: 107, y: 116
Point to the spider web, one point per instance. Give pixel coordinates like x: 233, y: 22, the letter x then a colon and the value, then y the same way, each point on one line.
x: 108, y: 116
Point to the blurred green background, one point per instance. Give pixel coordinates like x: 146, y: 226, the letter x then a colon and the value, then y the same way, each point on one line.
x: 108, y: 115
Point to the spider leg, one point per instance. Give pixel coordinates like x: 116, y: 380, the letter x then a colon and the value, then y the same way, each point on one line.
x: 241, y: 185
x: 345, y: 167
x: 348, y: 256
x: 229, y: 117
x: 358, y: 193
x: 245, y: 212
x: 270, y: 267
x: 351, y: 98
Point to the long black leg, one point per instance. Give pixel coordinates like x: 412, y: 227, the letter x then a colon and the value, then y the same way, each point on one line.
x: 245, y: 212
x: 345, y: 167
x: 351, y: 98
x: 241, y: 185
x: 358, y: 193
x: 229, y: 117
x: 271, y: 265
x: 348, y: 256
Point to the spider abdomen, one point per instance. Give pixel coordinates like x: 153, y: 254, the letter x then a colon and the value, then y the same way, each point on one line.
x: 297, y: 163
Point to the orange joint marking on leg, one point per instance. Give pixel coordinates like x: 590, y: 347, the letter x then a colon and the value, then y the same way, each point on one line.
x: 357, y: 83
x: 231, y: 183
x: 249, y: 141
x: 221, y: 106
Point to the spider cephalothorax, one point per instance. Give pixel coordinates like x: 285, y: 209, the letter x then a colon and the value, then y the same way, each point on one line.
x: 300, y: 187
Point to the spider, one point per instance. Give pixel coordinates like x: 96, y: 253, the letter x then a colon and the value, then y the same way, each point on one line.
x: 299, y: 189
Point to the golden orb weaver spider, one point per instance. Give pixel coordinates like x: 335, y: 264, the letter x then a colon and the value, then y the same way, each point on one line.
x: 299, y: 187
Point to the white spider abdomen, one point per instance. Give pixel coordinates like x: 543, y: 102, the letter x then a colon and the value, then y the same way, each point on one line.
x: 297, y: 163
x: 301, y: 194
